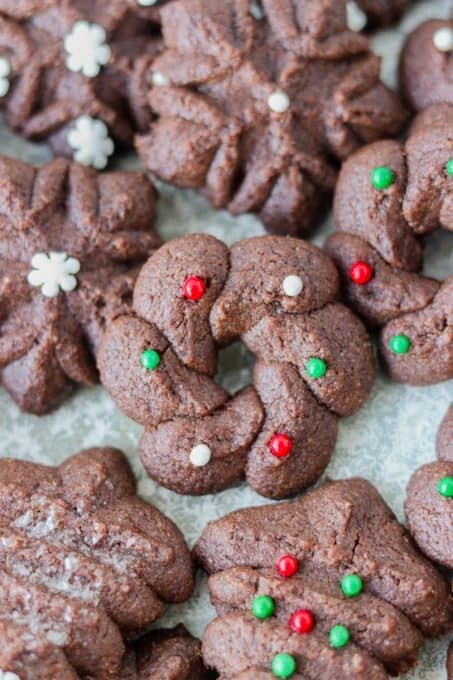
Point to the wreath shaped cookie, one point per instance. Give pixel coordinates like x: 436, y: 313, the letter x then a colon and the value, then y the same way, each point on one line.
x: 70, y: 72
x: 84, y: 565
x: 314, y: 363
x: 388, y: 197
x: 328, y: 586
x: 260, y: 98
x: 71, y: 241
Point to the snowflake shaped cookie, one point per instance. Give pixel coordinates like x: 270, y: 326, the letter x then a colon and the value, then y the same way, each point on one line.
x: 71, y: 243
x: 53, y: 272
x: 5, y: 70
x: 86, y: 48
x: 89, y: 138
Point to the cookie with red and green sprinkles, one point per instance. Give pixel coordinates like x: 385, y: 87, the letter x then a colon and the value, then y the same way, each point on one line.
x: 388, y: 198
x: 302, y: 589
x: 314, y: 363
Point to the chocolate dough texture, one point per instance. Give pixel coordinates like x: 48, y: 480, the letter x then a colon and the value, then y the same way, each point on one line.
x: 343, y: 530
x: 314, y: 362
x: 256, y: 103
x: 85, y: 565
x: 383, y: 229
x: 71, y: 242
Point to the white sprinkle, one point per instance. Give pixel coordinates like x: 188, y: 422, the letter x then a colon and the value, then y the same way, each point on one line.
x: 146, y: 3
x: 7, y: 675
x: 256, y: 11
x: 278, y: 101
x: 53, y: 272
x: 355, y: 17
x: 200, y: 455
x: 87, y: 50
x: 5, y: 70
x: 292, y: 285
x: 443, y: 39
x: 159, y: 79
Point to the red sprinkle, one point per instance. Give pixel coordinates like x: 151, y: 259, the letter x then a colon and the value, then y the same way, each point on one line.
x: 361, y: 273
x: 193, y: 288
x: 302, y: 621
x: 287, y: 566
x: 280, y: 445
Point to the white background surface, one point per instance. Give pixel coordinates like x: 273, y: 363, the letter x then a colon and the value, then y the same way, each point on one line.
x: 390, y: 437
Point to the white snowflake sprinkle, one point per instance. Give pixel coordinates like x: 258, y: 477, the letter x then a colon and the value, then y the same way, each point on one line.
x: 90, y: 141
x: 355, y: 17
x: 53, y: 272
x: 200, y: 455
x: 5, y: 70
x: 146, y: 3
x: 443, y: 39
x: 159, y: 79
x: 86, y: 48
x: 278, y: 102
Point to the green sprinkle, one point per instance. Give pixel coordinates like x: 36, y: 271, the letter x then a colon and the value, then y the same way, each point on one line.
x: 316, y: 368
x: 445, y: 487
x: 382, y: 177
x: 351, y: 585
x: 449, y: 167
x: 339, y: 636
x: 283, y: 666
x: 263, y: 607
x: 400, y: 344
x: 150, y: 359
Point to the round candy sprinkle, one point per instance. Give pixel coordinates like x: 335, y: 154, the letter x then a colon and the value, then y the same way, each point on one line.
x: 263, y: 607
x: 339, y: 636
x: 150, y: 359
x: 278, y: 102
x: 361, y: 273
x: 292, y: 285
x: 400, y: 344
x: 200, y: 455
x: 443, y: 39
x: 287, y: 566
x: 283, y: 666
x: 302, y: 621
x: 159, y: 79
x: 316, y: 368
x: 351, y: 585
x: 355, y: 17
x: 193, y: 288
x: 449, y: 167
x: 280, y: 445
x: 445, y: 487
x: 382, y: 177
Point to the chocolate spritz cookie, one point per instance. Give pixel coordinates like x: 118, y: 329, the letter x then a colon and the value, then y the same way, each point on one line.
x: 171, y: 654
x: 71, y: 72
x: 70, y: 244
x: 255, y: 100
x: 390, y: 196
x: 426, y: 67
x: 329, y: 586
x: 84, y: 564
x: 429, y: 507
x: 314, y: 363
